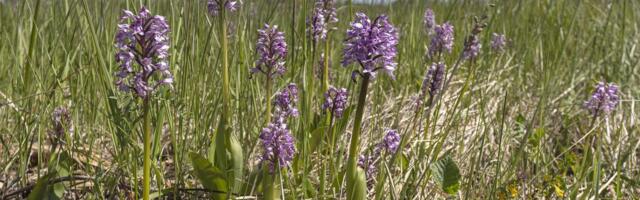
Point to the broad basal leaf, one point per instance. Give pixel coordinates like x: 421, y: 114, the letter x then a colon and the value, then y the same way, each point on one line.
x: 42, y: 190
x: 446, y: 174
x: 211, y: 177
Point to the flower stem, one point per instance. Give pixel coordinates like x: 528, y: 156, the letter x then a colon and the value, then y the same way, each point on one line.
x: 325, y: 71
x: 350, y: 9
x: 596, y: 165
x: 269, y: 181
x: 322, y: 174
x: 268, y: 96
x: 329, y: 140
x: 355, y: 136
x: 332, y: 148
x: 312, y: 73
x: 225, y: 68
x: 227, y: 116
x: 147, y: 150
x: 329, y: 117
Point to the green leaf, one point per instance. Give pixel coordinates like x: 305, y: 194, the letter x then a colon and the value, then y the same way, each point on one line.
x: 520, y: 120
x: 211, y: 177
x: 309, y: 188
x: 446, y: 174
x: 630, y: 181
x: 62, y: 164
x: 158, y: 127
x: 536, y: 137
x: 403, y: 161
x: 42, y: 189
x: 316, y: 137
x: 159, y: 176
x: 211, y: 152
x: 57, y: 191
x: 270, y: 185
x: 237, y: 160
x: 360, y: 190
x: 217, y: 150
x: 341, y: 126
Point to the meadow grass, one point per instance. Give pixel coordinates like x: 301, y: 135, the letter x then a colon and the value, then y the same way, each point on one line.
x: 512, y: 123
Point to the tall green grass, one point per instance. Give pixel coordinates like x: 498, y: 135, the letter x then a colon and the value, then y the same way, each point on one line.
x: 513, y: 123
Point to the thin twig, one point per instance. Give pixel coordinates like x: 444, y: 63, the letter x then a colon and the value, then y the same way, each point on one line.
x: 30, y: 187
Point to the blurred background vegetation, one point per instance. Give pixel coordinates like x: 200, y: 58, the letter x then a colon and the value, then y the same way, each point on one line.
x: 514, y: 125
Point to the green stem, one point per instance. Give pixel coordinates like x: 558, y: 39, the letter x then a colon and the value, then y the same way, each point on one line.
x: 596, y: 166
x: 312, y: 74
x: 269, y: 186
x: 147, y: 151
x: 269, y: 182
x: 355, y: 137
x: 328, y: 122
x: 293, y: 29
x: 328, y: 136
x: 225, y: 68
x: 325, y: 71
x: 176, y: 156
x: 334, y: 162
x: 350, y: 9
x: 232, y: 175
x: 268, y: 96
x: 322, y: 174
